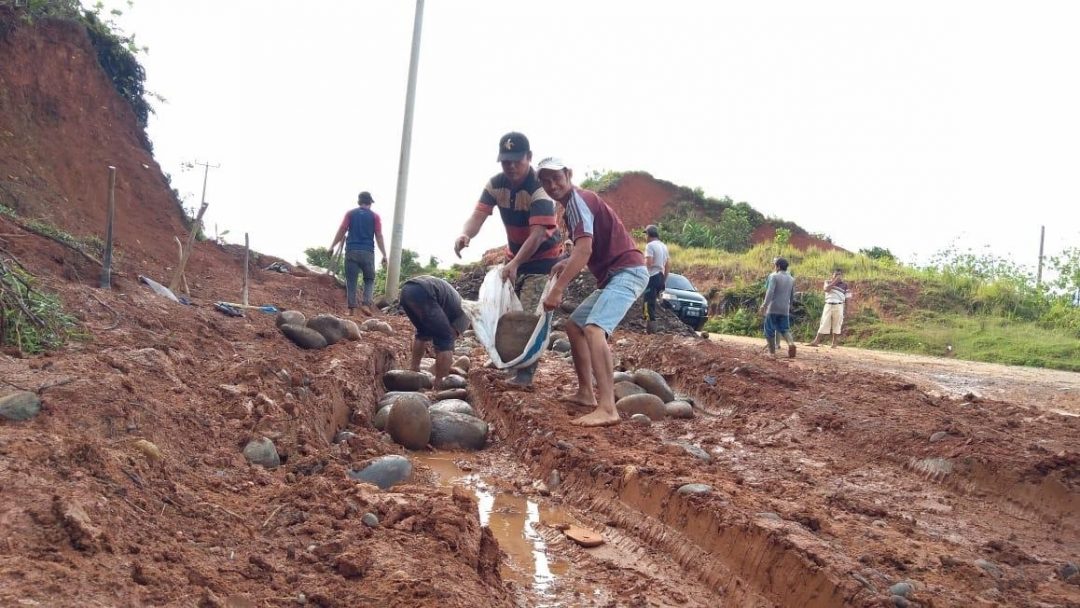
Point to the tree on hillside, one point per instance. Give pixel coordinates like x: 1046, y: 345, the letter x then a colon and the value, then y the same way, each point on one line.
x: 879, y: 253
x: 781, y: 239
x: 734, y: 230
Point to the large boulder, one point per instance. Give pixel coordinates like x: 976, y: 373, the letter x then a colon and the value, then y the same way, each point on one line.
x: 679, y: 409
x: 385, y: 471
x: 352, y: 330
x: 304, y: 337
x: 654, y: 384
x: 452, y: 405
x: 406, y: 380
x: 450, y: 430
x: 623, y: 377
x: 262, y: 452
x: 394, y: 396
x: 409, y: 423
x: 647, y: 404
x: 625, y: 389
x: 329, y: 326
x: 379, y: 420
x: 452, y: 393
x: 452, y: 381
x: 19, y: 406
x: 292, y: 317
x: 513, y: 332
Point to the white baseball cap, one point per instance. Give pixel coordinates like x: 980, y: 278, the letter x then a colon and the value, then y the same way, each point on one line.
x: 551, y: 162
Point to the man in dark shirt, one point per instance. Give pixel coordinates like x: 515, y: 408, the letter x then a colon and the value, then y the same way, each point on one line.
x: 602, y: 243
x: 528, y: 214
x: 434, y: 307
x: 364, y: 230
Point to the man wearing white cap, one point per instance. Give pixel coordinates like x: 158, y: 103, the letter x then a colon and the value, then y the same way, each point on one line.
x: 602, y: 243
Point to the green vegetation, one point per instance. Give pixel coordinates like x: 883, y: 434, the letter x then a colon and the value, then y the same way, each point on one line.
x: 963, y: 304
x: 410, y: 266
x: 31, y: 320
x: 92, y: 245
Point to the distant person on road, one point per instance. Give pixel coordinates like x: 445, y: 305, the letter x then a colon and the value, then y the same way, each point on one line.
x: 602, y: 243
x: 364, y: 229
x: 434, y: 307
x: 657, y: 262
x: 528, y: 214
x: 832, y: 315
x: 779, y: 296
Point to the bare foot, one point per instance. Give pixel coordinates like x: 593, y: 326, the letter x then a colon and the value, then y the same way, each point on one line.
x: 597, y: 417
x: 579, y: 399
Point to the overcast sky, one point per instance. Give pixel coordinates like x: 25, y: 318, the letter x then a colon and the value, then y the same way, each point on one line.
x: 905, y: 125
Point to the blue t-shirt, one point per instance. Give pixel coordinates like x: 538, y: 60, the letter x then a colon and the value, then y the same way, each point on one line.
x: 363, y: 224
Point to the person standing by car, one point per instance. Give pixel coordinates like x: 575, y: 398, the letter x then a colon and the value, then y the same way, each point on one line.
x: 656, y: 261
x: 832, y: 315
x: 364, y: 229
x: 779, y: 296
x: 528, y: 214
x: 602, y: 243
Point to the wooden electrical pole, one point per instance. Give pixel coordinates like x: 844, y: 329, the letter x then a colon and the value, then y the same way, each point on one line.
x: 106, y: 259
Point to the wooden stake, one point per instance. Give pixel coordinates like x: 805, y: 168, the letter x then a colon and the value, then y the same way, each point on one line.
x: 185, y: 253
x: 247, y: 257
x: 106, y: 260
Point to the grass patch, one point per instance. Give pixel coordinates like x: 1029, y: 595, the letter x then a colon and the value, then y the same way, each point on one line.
x: 31, y: 320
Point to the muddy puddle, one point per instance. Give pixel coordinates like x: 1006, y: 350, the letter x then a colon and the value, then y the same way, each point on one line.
x: 515, y: 521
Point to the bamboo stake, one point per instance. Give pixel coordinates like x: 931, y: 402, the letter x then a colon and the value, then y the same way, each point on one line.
x: 247, y: 257
x: 174, y: 284
x: 106, y: 259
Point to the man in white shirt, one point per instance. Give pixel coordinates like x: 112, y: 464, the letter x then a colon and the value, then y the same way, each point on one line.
x: 657, y: 261
x: 832, y: 317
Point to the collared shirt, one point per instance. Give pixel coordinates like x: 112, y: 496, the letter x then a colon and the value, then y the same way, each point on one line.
x: 613, y: 249
x: 522, y: 208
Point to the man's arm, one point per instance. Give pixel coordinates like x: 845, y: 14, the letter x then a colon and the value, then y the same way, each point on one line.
x: 470, y: 230
x: 568, y: 269
x: 379, y: 242
x: 770, y: 293
x: 340, y: 236
x: 537, y: 234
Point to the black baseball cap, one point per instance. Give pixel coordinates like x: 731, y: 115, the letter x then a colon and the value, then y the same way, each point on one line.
x: 365, y: 198
x: 513, y: 146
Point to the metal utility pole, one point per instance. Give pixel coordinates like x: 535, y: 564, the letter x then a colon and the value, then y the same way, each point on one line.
x: 174, y: 284
x: 393, y: 270
x: 1042, y: 240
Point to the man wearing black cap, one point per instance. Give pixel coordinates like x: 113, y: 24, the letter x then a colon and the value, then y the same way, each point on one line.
x: 528, y: 214
x: 365, y: 230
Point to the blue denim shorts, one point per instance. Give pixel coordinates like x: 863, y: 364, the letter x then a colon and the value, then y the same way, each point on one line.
x: 606, y: 307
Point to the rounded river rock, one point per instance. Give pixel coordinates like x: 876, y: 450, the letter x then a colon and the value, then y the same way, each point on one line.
x: 409, y: 423
x: 452, y: 430
x: 650, y: 405
x: 304, y: 337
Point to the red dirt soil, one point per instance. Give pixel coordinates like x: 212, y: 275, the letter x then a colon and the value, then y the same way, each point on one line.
x: 826, y: 485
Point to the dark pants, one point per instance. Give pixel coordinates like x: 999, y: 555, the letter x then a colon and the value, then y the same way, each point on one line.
x: 427, y: 316
x: 652, y: 290
x: 355, y: 263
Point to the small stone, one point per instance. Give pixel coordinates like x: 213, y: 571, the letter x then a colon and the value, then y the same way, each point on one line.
x: 452, y: 405
x: 304, y: 337
x: 453, y: 430
x: 770, y: 516
x: 686, y: 398
x: 452, y: 381
x: 989, y: 567
x: 623, y: 377
x: 561, y: 346
x: 1067, y: 571
x: 369, y: 325
x: 453, y: 393
x: 370, y: 520
x: 903, y: 588
x: 554, y: 479
x: 641, y: 420
x: 513, y: 332
x: 555, y: 336
x: 900, y: 601
x: 148, y: 449
x: 385, y: 471
x: 352, y: 330
x: 409, y: 423
x: 691, y: 449
x: 292, y: 317
x: 679, y: 409
x: 625, y: 389
x: 462, y: 363
x: 19, y: 406
x: 329, y: 326
x: 695, y: 488
x: 879, y: 523
x: 622, y: 342
x: 938, y: 436
x: 406, y: 380
x: 654, y: 383
x: 647, y: 404
x: 375, y: 325
x: 344, y: 436
x: 262, y: 452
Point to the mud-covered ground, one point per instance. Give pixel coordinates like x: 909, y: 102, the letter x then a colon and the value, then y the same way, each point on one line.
x: 830, y: 480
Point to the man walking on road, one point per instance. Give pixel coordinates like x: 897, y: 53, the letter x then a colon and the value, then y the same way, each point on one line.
x: 364, y: 230
x: 832, y: 315
x: 779, y: 295
x: 602, y: 243
x: 656, y: 261
x: 528, y: 214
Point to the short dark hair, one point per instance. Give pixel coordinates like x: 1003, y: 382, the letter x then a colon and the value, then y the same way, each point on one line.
x: 781, y: 263
x: 652, y: 230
